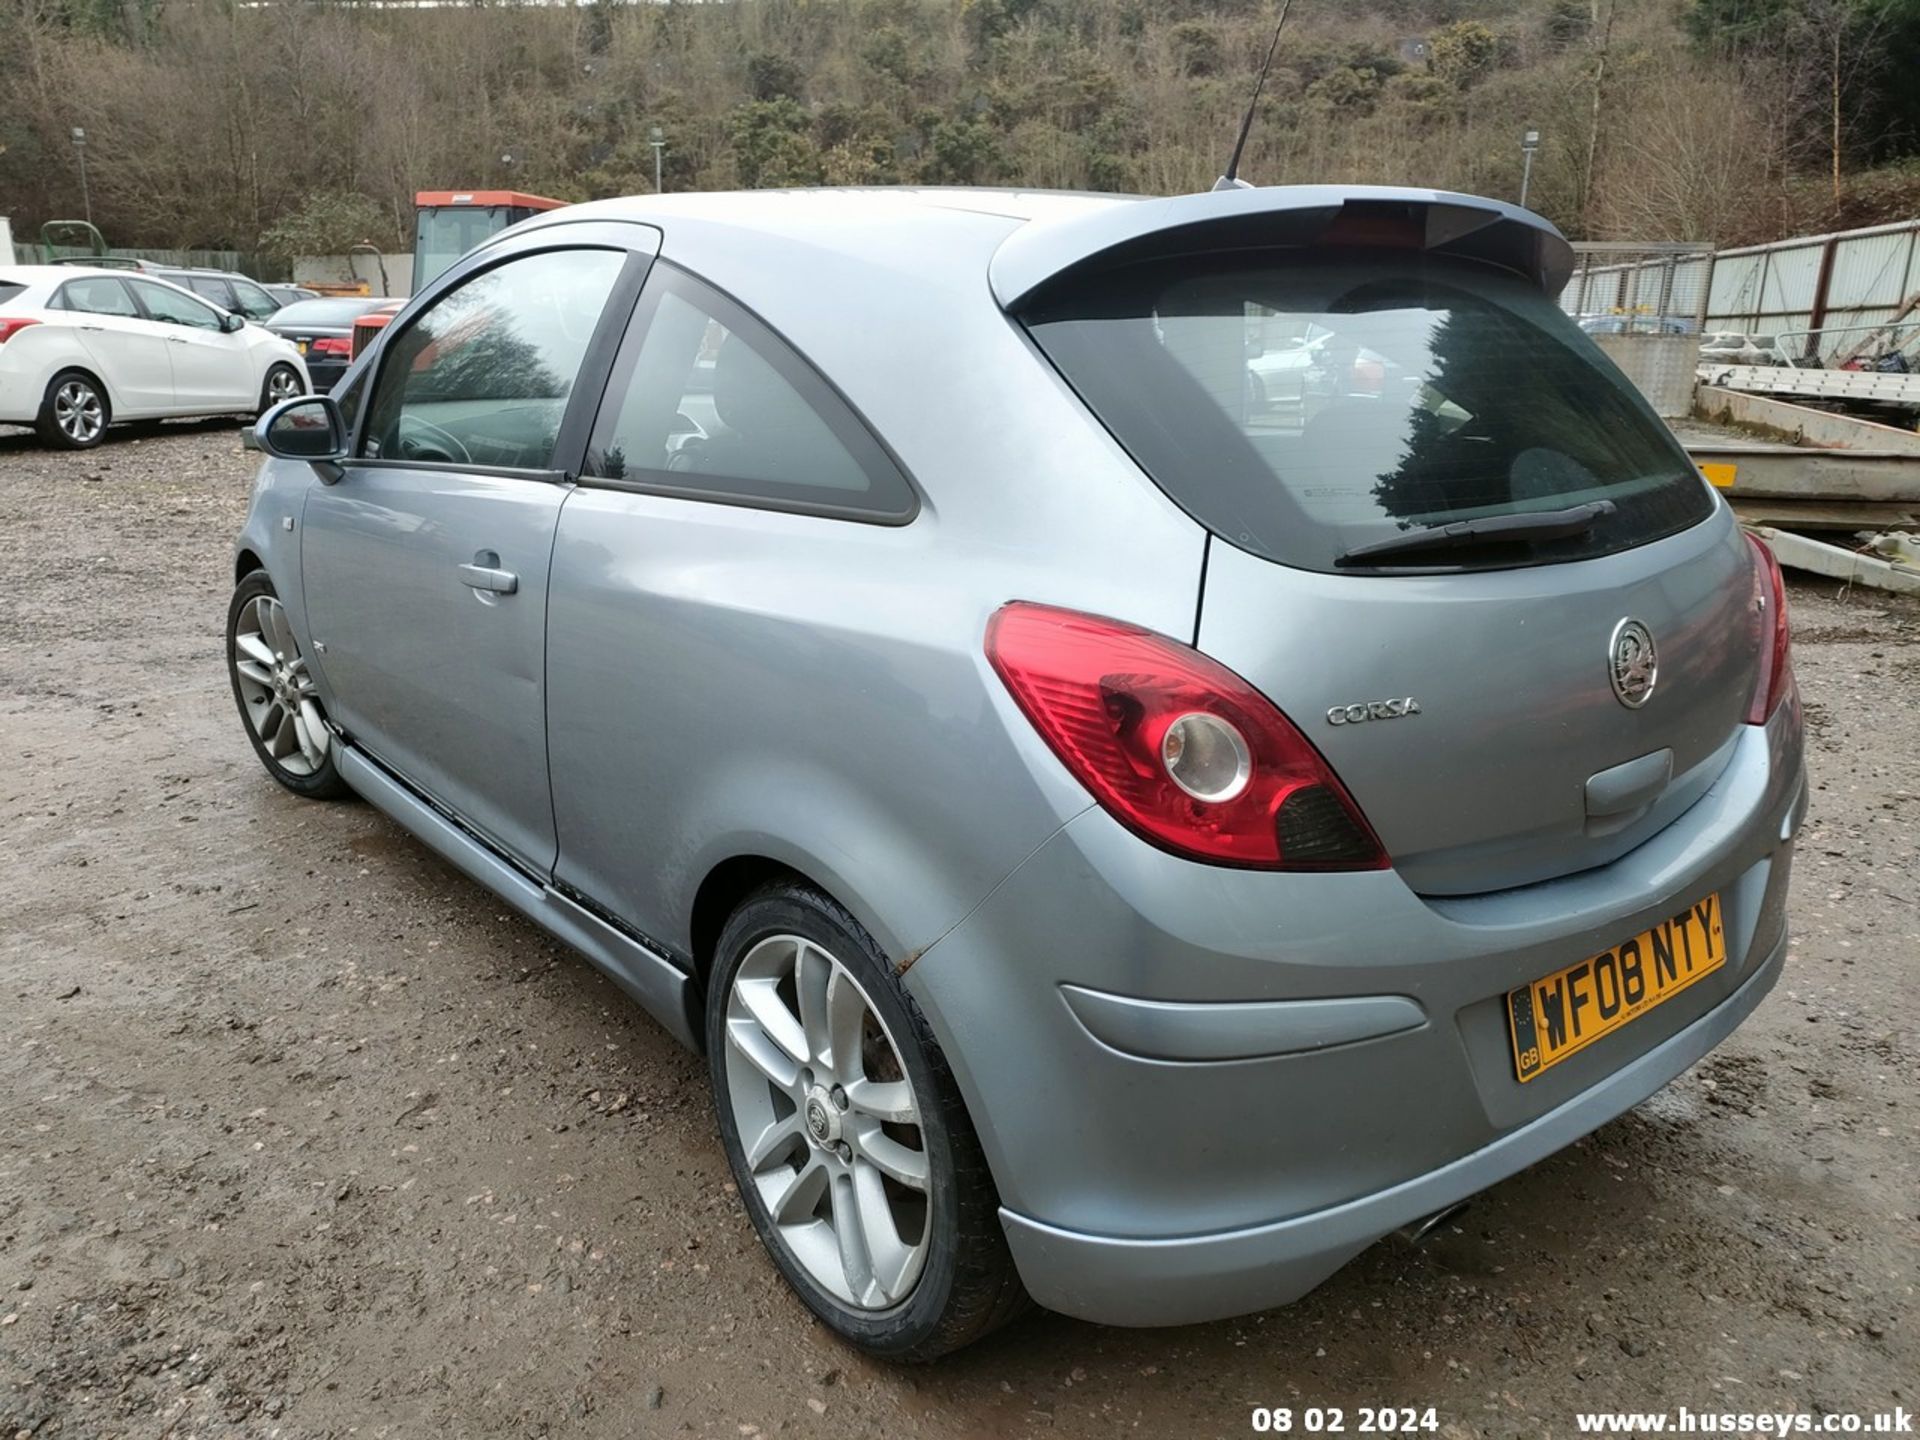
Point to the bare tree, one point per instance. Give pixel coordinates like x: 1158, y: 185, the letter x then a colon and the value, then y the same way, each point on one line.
x: 1842, y: 41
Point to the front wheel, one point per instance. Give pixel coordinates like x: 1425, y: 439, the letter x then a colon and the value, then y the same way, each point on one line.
x: 276, y: 695
x: 283, y: 383
x: 855, y: 1158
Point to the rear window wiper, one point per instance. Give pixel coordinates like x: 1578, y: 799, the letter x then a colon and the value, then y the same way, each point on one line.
x: 1485, y: 530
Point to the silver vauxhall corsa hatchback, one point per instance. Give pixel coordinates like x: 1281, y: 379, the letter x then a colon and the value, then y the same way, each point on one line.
x: 1151, y: 742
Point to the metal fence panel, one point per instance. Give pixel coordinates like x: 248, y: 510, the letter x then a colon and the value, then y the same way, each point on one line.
x: 1623, y: 288
x: 1871, y: 270
x: 1789, y: 282
x: 1734, y: 293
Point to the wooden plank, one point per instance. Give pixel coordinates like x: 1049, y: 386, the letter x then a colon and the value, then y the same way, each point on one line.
x: 1822, y: 515
x: 1820, y: 558
x: 1795, y: 424
x: 1782, y: 472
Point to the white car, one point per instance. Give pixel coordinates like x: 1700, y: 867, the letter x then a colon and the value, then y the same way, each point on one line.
x: 83, y: 348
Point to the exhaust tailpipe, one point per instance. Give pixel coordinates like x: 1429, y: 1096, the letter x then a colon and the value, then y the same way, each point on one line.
x: 1414, y: 1232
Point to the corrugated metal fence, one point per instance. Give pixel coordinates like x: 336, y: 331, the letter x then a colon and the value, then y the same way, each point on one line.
x: 1853, y: 279
x: 1816, y: 299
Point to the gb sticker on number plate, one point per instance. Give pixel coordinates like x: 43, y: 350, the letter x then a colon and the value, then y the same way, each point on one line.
x: 1563, y: 1013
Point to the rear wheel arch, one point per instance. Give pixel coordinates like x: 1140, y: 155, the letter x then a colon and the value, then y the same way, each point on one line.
x: 721, y: 893
x: 44, y: 421
x: 92, y: 377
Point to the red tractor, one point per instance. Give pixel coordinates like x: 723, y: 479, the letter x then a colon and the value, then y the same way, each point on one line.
x: 446, y: 225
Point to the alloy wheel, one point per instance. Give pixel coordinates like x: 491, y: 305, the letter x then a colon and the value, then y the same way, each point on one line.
x: 282, y: 384
x: 276, y: 690
x: 78, y: 412
x: 828, y: 1122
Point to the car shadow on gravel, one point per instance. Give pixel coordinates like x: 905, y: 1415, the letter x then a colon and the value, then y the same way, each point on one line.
x: 16, y: 440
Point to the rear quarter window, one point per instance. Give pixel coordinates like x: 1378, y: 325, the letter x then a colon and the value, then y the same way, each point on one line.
x: 1302, y: 404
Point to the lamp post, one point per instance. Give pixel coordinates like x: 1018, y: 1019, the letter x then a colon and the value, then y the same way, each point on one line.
x: 1529, y: 142
x: 80, y: 148
x: 657, y: 138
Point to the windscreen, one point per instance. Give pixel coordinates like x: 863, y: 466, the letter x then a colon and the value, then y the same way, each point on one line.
x: 8, y: 290
x: 338, y: 313
x: 1302, y: 405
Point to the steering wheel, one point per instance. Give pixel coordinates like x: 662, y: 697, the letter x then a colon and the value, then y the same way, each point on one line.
x: 423, y: 440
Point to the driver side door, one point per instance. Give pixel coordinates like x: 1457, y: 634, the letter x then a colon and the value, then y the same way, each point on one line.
x: 425, y: 565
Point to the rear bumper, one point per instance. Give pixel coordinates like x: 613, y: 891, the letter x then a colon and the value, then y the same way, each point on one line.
x: 1123, y: 1280
x: 20, y: 395
x: 325, y: 373
x: 1203, y: 1090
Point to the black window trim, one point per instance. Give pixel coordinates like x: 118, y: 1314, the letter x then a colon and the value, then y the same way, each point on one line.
x: 862, y: 442
x: 595, y: 360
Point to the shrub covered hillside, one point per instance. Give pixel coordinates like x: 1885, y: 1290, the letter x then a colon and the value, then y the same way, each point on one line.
x: 303, y: 126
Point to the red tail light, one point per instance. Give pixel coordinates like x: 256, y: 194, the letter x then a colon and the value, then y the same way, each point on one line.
x: 1177, y: 747
x: 1775, y: 679
x: 332, y: 345
x: 12, y: 327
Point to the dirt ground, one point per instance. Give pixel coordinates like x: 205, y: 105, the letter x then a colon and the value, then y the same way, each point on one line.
x: 301, y: 1134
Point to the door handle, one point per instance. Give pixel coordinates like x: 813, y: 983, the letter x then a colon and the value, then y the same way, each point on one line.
x: 485, y: 577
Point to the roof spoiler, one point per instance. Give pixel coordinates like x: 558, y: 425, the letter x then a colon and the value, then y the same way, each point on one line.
x: 1041, y: 253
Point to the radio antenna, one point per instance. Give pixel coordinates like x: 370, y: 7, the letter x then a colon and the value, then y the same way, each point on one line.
x: 1231, y: 180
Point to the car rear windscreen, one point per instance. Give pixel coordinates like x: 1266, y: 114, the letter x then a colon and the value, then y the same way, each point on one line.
x: 1303, y: 404
x: 339, y: 313
x: 8, y: 290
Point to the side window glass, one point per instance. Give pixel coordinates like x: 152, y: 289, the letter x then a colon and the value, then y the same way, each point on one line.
x: 255, y: 303
x: 97, y: 297
x: 173, y: 308
x: 709, y: 402
x: 214, y: 290
x: 482, y: 376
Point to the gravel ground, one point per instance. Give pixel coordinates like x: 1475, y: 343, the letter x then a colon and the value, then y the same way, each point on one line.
x: 301, y: 1134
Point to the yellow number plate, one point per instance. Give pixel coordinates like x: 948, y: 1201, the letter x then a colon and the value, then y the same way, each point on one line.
x: 303, y: 347
x: 1565, y: 1012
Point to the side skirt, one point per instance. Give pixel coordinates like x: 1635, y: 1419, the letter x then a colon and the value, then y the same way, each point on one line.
x: 665, y: 990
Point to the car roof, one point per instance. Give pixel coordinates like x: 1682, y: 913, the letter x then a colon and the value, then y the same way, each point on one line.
x: 48, y: 274
x: 1028, y: 238
x: 36, y: 275
x: 205, y: 270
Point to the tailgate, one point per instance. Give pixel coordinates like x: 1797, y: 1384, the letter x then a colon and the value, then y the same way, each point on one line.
x: 1517, y: 760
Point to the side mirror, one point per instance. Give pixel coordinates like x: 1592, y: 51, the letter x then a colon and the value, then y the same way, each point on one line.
x: 307, y: 427
x: 230, y: 322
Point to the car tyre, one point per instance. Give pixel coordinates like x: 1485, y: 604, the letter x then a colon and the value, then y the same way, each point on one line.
x: 75, y: 412
x: 283, y: 382
x: 965, y: 1285
x: 279, y: 707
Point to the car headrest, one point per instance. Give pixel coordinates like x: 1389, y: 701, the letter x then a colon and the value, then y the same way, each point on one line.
x: 750, y: 395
